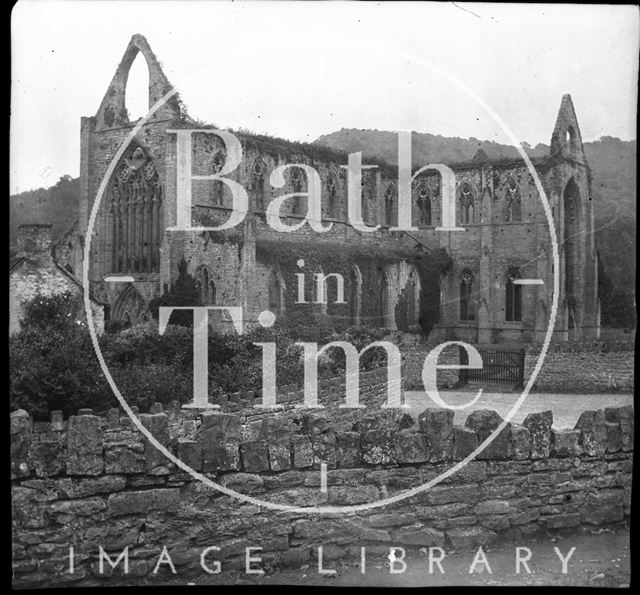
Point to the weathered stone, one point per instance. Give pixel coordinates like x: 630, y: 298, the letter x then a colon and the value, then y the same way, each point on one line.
x: 448, y: 494
x: 485, y: 422
x: 302, y: 452
x: 347, y: 495
x: 419, y: 536
x: 375, y: 535
x: 277, y: 431
x: 411, y: 447
x: 189, y: 453
x: 520, y: 442
x: 566, y: 443
x: 156, y: 408
x: 561, y: 520
x: 378, y: 447
x: 384, y: 419
x: 85, y: 411
x: 465, y: 441
x: 324, y: 449
x: 245, y: 483
x: 81, y: 488
x: 614, y: 437
x: 113, y: 417
x: 437, y: 425
x: 158, y: 426
x: 124, y: 458
x: 391, y: 519
x: 603, y: 507
x: 498, y: 522
x: 593, y: 432
x: 219, y: 437
x: 492, y: 507
x: 20, y: 433
x: 84, y: 445
x: 348, y: 449
x: 85, y: 507
x: 255, y: 456
x: 316, y: 422
x: 623, y: 416
x: 145, y: 501
x: 539, y: 426
x: 469, y: 538
x: 47, y: 458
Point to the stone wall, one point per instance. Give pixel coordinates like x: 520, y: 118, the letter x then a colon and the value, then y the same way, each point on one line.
x: 94, y: 482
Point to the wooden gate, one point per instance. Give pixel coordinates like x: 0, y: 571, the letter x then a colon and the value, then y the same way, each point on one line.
x: 499, y: 366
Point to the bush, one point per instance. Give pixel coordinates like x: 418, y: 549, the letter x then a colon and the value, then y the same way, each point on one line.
x: 53, y: 364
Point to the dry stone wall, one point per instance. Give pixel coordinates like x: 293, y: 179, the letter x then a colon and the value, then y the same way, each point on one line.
x: 93, y: 482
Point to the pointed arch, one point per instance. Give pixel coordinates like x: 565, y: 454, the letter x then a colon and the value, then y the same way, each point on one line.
x: 467, y: 204
x: 407, y: 311
x: 355, y: 295
x: 422, y: 197
x: 276, y: 291
x: 258, y: 183
x: 333, y: 189
x: 129, y: 307
x: 298, y: 183
x: 112, y: 111
x: 217, y: 163
x: 572, y: 233
x: 390, y: 202
x: 512, y: 201
x: 385, y: 312
x: 135, y: 203
x: 206, y: 285
x: 467, y: 296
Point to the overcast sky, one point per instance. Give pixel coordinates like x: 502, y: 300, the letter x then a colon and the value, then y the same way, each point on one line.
x: 339, y: 64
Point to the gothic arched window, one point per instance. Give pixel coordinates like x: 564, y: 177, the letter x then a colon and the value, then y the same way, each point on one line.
x: 467, y: 306
x: 297, y: 185
x: 390, y: 205
x: 355, y: 295
x: 258, y: 176
x: 136, y: 196
x: 512, y: 201
x: 217, y: 163
x: 276, y: 292
x: 423, y: 201
x: 467, y: 203
x: 332, y: 197
x: 204, y: 282
x: 513, y: 309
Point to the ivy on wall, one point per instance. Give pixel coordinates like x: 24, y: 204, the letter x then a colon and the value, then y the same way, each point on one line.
x: 330, y: 258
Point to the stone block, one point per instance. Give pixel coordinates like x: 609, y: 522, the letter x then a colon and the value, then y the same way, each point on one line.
x: 593, y: 432
x: 125, y: 457
x: 437, y: 425
x: 90, y: 486
x: 302, y: 452
x: 20, y: 434
x: 378, y: 447
x: 520, y: 442
x: 324, y: 449
x: 412, y: 447
x: 614, y: 437
x: 539, y: 426
x: 624, y: 417
x: 348, y: 449
x: 419, y: 536
x: 219, y: 438
x: 470, y: 538
x: 143, y: 502
x: 189, y: 453
x: 465, y: 441
x: 255, y: 456
x: 47, y: 458
x: 484, y: 422
x: 158, y: 426
x: 566, y: 443
x: 84, y: 445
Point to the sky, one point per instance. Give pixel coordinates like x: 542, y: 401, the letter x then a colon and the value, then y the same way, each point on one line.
x: 299, y: 70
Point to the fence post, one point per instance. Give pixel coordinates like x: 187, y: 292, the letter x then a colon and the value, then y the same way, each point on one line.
x: 521, y: 354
